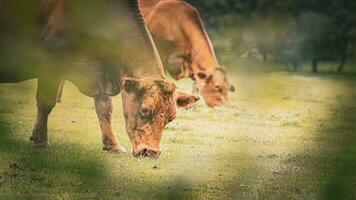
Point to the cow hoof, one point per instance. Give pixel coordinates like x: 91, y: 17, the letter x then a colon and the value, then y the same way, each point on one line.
x: 116, y: 150
x: 119, y: 150
x: 43, y: 145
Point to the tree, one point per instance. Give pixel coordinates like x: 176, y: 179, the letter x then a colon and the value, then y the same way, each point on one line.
x: 290, y: 31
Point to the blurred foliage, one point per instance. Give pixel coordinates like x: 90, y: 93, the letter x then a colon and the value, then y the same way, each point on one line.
x: 292, y: 31
x: 289, y: 31
x: 80, y: 40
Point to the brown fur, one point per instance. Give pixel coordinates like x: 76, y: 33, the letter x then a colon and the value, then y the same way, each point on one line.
x: 103, y: 107
x: 149, y: 104
x: 99, y: 81
x: 185, y: 46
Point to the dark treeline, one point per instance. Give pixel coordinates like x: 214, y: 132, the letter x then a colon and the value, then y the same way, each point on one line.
x: 290, y: 31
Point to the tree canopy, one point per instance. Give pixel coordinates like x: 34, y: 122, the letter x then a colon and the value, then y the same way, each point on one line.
x: 290, y: 31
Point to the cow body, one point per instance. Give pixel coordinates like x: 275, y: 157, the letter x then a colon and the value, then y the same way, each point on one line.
x: 185, y: 47
x: 94, y: 45
x: 45, y: 36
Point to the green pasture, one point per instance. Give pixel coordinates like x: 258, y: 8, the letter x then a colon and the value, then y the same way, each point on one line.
x: 283, y: 136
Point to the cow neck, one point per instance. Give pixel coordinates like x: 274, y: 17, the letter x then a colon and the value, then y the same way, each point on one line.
x: 202, y: 52
x: 146, y: 6
x: 147, y: 62
x: 140, y: 58
x: 142, y: 72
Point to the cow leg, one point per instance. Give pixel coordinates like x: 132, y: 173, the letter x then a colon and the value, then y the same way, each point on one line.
x: 60, y: 92
x: 46, y: 100
x: 103, y: 107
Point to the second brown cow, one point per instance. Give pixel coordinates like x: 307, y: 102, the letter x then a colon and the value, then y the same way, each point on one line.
x: 185, y: 47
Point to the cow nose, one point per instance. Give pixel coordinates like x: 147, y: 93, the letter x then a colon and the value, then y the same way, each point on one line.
x: 147, y: 153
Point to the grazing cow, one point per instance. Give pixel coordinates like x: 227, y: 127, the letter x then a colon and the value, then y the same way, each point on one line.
x: 185, y: 47
x: 94, y: 45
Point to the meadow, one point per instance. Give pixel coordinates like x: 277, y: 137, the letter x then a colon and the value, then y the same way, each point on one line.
x: 282, y: 136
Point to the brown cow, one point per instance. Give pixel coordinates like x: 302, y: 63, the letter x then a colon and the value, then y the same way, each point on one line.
x: 185, y: 47
x: 83, y: 43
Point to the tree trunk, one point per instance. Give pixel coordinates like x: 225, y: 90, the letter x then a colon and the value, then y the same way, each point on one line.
x: 343, y: 54
x: 315, y: 65
x: 265, y: 56
x: 314, y: 60
x: 295, y: 66
x: 342, y: 63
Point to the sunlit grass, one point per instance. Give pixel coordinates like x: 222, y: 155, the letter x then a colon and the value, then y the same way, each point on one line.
x: 284, y: 136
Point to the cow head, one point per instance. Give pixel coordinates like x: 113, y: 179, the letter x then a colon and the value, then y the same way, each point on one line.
x: 214, y: 87
x: 149, y: 104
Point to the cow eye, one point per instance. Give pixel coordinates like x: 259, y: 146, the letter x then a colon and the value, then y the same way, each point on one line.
x: 217, y: 88
x: 146, y: 113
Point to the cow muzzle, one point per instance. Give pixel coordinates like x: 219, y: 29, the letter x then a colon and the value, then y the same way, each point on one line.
x: 147, y: 153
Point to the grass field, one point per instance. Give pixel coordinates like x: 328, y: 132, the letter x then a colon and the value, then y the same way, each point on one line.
x: 283, y: 136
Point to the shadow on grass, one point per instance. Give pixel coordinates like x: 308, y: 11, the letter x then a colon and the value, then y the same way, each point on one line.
x: 326, y: 170
x: 28, y: 173
x: 341, y: 178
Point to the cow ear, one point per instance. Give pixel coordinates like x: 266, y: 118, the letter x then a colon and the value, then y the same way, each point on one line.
x: 166, y: 87
x: 232, y: 88
x: 131, y: 85
x: 184, y: 100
